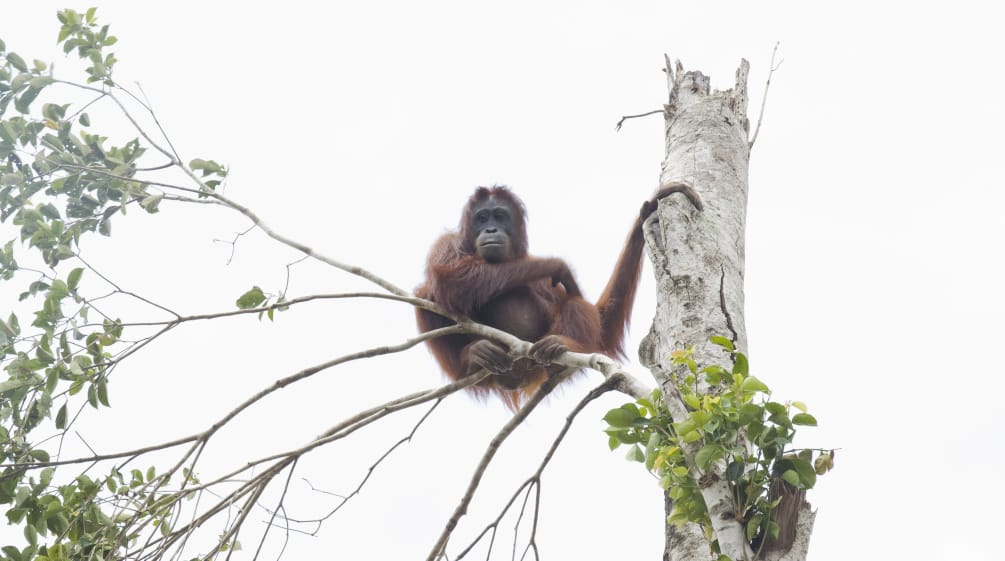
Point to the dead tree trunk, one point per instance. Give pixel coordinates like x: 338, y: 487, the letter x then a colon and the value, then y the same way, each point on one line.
x: 699, y: 266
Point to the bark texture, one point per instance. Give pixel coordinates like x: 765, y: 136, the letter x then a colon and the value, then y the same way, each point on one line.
x: 698, y: 260
x: 698, y: 257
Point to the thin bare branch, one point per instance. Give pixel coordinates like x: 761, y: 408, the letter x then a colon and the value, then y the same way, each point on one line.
x: 289, y: 272
x: 127, y: 114
x: 148, y: 105
x: 255, y: 219
x: 120, y: 290
x: 307, y: 250
x: 534, y: 481
x: 272, y: 518
x: 764, y: 100
x: 439, y: 548
x: 617, y: 127
x: 277, y: 385
x: 369, y: 472
x: 233, y: 242
x: 412, y: 300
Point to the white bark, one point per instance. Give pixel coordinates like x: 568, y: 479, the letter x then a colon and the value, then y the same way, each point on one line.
x: 698, y: 260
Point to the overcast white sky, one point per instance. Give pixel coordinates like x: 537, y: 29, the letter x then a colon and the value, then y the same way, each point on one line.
x: 873, y: 243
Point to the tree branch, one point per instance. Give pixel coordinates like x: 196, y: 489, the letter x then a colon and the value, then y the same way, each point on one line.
x: 764, y: 99
x: 535, y: 479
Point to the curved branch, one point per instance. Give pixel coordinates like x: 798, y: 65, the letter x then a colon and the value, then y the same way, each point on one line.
x: 277, y: 385
x: 407, y: 299
x: 305, y: 249
x: 170, y: 155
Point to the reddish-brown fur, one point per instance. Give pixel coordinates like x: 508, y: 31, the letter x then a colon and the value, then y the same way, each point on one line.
x: 528, y: 296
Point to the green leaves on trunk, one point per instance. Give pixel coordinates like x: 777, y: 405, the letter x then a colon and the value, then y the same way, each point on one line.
x: 733, y: 431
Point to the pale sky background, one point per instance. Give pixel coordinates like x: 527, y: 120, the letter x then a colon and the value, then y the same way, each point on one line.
x: 873, y: 245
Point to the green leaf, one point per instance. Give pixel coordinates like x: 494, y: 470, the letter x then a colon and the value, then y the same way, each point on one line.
x: 51, y: 378
x: 652, y: 450
x: 773, y: 529
x: 40, y: 82
x: 800, y: 406
x: 635, y: 454
x: 807, y: 474
x: 753, y: 525
x: 24, y: 101
x: 61, y: 418
x: 707, y: 455
x: 49, y: 211
x: 692, y: 401
x: 623, y: 416
x: 740, y: 365
x: 74, y: 278
x: 208, y: 167
x: 775, y: 408
x: 791, y: 477
x: 824, y: 463
x: 150, y: 203
x: 57, y: 523
x: 59, y: 290
x: 624, y: 436
x: 804, y: 419
x: 734, y: 470
x: 752, y: 384
x: 251, y: 299
x: 714, y: 374
x: 17, y: 62
x: 103, y: 391
x: 804, y: 476
x: 722, y: 342
x: 11, y: 385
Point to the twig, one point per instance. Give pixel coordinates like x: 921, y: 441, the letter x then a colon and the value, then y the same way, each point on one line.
x: 617, y: 127
x: 278, y: 384
x: 417, y: 302
x: 438, y: 550
x: 764, y: 100
x: 270, y: 523
x: 289, y: 273
x: 369, y: 472
x: 233, y: 242
x: 257, y: 484
x: 535, y: 479
x: 125, y: 112
x: 119, y: 289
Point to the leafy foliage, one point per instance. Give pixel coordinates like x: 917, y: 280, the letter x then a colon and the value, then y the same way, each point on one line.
x: 733, y: 430
x: 59, y: 184
x: 256, y: 298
